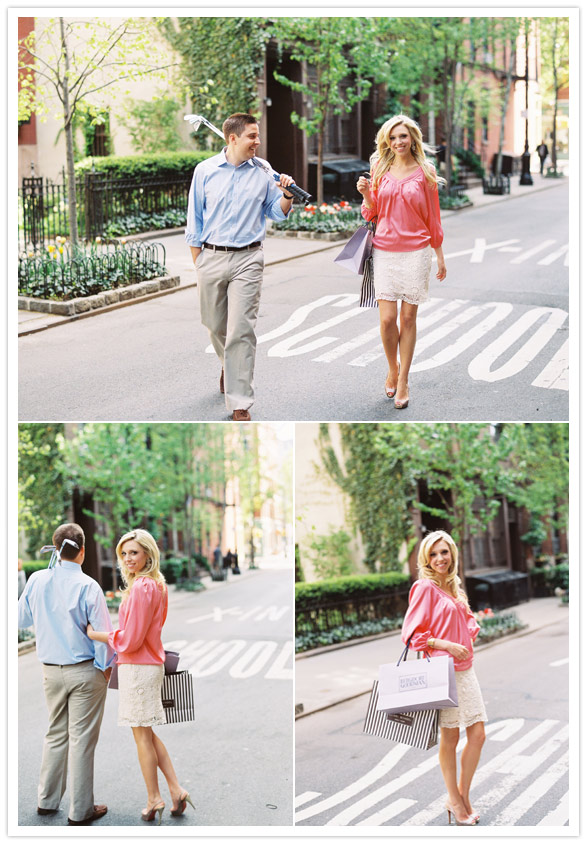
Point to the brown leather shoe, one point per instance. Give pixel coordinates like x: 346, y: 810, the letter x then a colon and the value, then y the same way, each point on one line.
x: 241, y: 414
x: 222, y: 381
x: 99, y: 811
x: 44, y: 812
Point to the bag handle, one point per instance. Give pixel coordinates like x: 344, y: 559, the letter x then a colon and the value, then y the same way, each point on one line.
x: 404, y: 655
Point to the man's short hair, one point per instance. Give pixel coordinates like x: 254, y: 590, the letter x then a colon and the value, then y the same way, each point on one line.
x: 72, y: 532
x: 236, y: 124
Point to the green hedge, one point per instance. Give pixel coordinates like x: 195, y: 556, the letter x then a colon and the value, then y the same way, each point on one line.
x: 340, y: 634
x: 31, y: 567
x: 348, y: 587
x: 160, y: 164
x: 544, y: 580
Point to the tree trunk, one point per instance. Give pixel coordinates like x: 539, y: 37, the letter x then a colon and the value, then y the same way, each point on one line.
x: 555, y: 85
x: 68, y: 127
x: 506, y: 97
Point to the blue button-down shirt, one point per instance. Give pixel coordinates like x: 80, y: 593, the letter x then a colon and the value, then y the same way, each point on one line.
x: 60, y: 603
x: 228, y: 205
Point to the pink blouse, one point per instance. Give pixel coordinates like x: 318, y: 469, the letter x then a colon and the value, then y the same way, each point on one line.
x: 140, y: 620
x: 433, y: 613
x: 407, y: 212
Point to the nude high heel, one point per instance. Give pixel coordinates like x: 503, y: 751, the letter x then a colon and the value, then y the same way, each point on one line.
x: 149, y: 814
x: 177, y: 812
x: 450, y: 810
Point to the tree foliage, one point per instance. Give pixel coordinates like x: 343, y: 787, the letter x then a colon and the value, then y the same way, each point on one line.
x: 68, y: 63
x: 221, y: 60
x: 42, y: 497
x: 456, y: 472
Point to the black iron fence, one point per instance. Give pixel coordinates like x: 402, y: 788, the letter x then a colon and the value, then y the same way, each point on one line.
x: 101, y: 201
x: 325, y: 616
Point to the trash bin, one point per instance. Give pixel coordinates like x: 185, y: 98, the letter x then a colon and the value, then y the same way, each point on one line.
x: 339, y: 178
x: 498, y: 589
x: 507, y: 164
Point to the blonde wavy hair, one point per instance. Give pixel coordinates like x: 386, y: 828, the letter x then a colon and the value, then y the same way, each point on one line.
x: 425, y: 571
x: 384, y: 157
x: 151, y: 569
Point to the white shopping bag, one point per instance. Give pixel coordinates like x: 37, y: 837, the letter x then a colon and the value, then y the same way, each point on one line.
x: 417, y: 685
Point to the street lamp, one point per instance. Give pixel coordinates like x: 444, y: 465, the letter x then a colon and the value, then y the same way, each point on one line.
x: 526, y: 176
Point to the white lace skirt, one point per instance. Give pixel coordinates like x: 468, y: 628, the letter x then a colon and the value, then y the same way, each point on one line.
x: 471, y: 708
x: 402, y: 276
x: 139, y: 692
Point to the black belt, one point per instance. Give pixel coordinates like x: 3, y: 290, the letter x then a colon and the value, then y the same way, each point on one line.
x: 232, y: 249
x: 46, y: 663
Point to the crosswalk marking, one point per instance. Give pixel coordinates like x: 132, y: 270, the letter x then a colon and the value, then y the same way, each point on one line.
x: 240, y: 658
x: 480, y: 367
x: 548, y: 242
x: 303, y: 798
x: 560, y: 814
x: 538, y: 788
x: 532, y: 752
x: 552, y: 257
x: 379, y: 770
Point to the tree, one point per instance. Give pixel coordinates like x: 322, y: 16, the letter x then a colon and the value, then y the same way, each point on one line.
x: 74, y: 62
x: 554, y: 48
x: 42, y: 497
x: 505, y: 32
x: 222, y: 59
x: 340, y: 56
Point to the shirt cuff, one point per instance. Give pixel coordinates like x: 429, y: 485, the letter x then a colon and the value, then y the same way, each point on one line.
x: 192, y: 240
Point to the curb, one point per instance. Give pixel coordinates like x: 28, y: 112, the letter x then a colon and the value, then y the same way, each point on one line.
x: 521, y: 633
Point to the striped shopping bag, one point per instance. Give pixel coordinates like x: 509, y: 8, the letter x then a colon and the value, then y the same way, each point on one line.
x: 413, y: 728
x: 177, y: 695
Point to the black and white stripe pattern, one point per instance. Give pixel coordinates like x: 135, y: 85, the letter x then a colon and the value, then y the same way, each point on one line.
x: 177, y: 695
x: 414, y: 728
x: 367, y: 296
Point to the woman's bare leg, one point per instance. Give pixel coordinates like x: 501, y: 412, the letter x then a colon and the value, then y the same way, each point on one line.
x: 407, y: 344
x: 447, y: 757
x: 166, y: 766
x: 469, y: 760
x: 143, y: 736
x: 390, y: 338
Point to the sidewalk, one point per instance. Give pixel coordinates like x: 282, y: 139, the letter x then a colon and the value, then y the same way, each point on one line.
x: 277, y: 249
x: 329, y: 676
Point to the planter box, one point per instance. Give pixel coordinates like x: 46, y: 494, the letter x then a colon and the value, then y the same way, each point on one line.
x: 81, y: 305
x: 496, y: 185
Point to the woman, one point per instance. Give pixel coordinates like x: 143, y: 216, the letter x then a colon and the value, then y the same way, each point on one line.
x: 440, y: 622
x: 141, y: 660
x: 402, y: 195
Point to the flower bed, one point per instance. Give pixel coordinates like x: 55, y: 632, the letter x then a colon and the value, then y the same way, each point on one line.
x: 341, y: 218
x: 60, y: 272
x: 113, y: 599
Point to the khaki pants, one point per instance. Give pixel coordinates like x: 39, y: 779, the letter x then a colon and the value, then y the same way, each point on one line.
x: 229, y: 285
x: 75, y: 696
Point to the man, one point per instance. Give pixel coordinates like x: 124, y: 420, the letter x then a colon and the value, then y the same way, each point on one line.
x: 542, y: 151
x: 60, y: 602
x: 230, y: 197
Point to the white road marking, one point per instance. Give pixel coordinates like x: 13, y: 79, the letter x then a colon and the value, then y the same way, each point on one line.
x: 253, y: 660
x: 278, y: 669
x: 272, y: 613
x: 469, y: 252
x: 537, y: 789
x: 389, y: 812
x: 552, y: 257
x: 556, y: 372
x: 448, y: 353
x: 303, y: 798
x: 284, y: 348
x: 560, y: 815
x: 480, y: 367
x: 381, y: 769
x: 242, y: 658
x: 559, y: 663
x: 532, y: 252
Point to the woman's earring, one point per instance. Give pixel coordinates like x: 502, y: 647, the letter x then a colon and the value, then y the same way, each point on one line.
x: 413, y: 148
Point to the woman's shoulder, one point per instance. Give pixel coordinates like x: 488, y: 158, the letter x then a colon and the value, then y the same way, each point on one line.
x: 147, y: 585
x: 422, y: 586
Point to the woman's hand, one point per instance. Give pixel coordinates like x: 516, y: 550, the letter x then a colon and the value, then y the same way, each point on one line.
x: 364, y: 185
x: 94, y: 635
x: 441, y: 273
x: 461, y: 653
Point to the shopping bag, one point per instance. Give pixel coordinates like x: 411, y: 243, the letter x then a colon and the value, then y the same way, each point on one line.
x: 414, y: 728
x: 177, y: 696
x: 367, y: 295
x: 417, y: 685
x: 171, y: 662
x: 356, y: 251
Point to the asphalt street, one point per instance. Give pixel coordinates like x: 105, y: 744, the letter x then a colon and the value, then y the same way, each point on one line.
x: 346, y: 778
x: 492, y: 343
x: 236, y: 759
